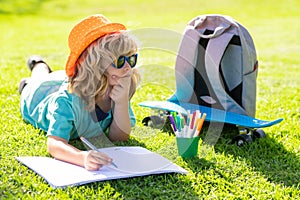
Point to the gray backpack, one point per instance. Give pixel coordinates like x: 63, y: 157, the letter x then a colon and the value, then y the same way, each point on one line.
x: 216, y: 65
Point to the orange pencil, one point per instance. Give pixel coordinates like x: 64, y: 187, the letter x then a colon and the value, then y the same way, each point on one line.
x: 200, y: 124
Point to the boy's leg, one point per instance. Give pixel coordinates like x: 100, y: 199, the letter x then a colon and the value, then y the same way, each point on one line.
x: 39, y: 69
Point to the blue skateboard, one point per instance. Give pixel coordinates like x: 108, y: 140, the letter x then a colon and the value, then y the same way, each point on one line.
x: 248, y: 126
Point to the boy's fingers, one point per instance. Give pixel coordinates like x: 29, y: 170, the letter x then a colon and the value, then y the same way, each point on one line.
x: 93, y: 166
x: 91, y: 163
x: 101, y: 158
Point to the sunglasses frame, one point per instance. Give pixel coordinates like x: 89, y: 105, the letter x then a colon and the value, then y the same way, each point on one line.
x: 127, y: 59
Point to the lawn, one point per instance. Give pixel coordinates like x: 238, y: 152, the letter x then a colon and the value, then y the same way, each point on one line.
x: 265, y: 169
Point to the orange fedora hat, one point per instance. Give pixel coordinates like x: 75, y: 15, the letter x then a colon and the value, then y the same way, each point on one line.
x: 84, y: 33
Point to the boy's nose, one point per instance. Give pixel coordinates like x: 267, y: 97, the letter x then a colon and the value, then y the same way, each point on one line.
x: 126, y: 66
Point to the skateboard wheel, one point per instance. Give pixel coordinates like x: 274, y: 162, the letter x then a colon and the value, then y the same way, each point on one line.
x: 242, y: 139
x: 146, y: 121
x: 259, y: 133
x: 153, y: 121
x: 240, y: 143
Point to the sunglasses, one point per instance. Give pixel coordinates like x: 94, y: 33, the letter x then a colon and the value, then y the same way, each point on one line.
x: 131, y: 60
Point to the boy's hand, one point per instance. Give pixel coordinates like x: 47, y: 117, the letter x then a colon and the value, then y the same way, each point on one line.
x: 120, y: 91
x: 95, y: 160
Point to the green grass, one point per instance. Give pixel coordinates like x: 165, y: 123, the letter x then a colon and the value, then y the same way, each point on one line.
x: 265, y: 169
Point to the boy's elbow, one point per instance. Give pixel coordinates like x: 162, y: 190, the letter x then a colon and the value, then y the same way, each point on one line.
x: 124, y: 138
x: 50, y: 147
x: 121, y: 137
x: 53, y: 145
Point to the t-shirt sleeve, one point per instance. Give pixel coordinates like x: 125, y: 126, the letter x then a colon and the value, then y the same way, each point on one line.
x: 132, y: 117
x: 61, y: 118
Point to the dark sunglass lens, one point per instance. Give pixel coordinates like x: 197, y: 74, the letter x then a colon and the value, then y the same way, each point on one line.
x: 132, y: 60
x: 120, y: 62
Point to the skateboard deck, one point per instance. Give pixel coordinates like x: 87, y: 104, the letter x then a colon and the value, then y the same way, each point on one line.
x: 212, y: 114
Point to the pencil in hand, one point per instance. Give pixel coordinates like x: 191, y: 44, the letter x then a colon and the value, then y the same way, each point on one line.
x: 91, y: 146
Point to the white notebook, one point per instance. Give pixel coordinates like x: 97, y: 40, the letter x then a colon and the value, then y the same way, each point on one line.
x: 130, y: 161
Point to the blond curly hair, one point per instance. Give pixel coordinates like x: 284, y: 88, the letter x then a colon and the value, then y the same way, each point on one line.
x: 89, y: 79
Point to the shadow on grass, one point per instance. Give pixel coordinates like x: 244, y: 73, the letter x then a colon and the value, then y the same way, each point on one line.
x: 172, y: 185
x: 267, y: 156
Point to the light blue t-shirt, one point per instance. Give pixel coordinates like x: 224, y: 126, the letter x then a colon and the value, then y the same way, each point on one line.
x: 49, y: 106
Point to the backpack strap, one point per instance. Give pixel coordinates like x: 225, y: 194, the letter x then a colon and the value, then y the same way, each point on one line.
x: 185, y: 65
x: 187, y: 56
x: 214, y: 53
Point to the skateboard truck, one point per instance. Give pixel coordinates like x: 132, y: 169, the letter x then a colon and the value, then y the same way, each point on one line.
x: 247, y: 135
x: 158, y: 119
x: 153, y: 121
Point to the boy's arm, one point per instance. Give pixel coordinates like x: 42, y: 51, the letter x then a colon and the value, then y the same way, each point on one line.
x: 120, y: 127
x: 61, y: 150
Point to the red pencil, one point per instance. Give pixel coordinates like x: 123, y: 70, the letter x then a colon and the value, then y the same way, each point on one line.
x: 193, y: 120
